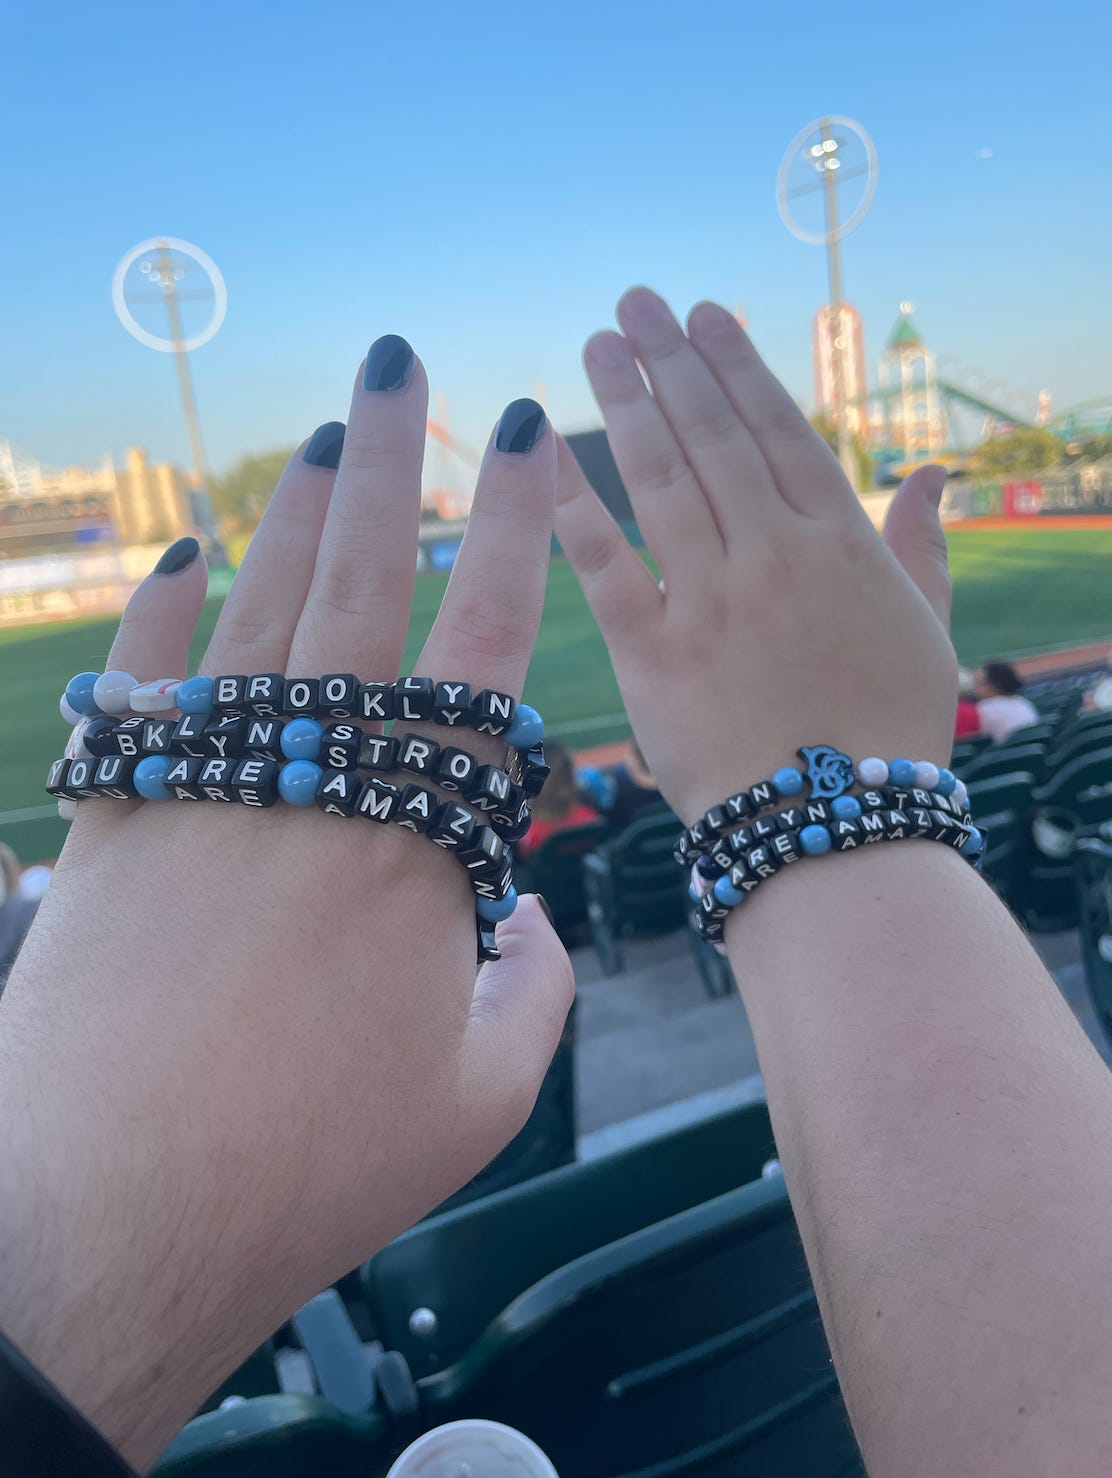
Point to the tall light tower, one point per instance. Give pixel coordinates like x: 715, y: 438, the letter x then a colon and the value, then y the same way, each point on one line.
x: 164, y: 264
x: 827, y: 153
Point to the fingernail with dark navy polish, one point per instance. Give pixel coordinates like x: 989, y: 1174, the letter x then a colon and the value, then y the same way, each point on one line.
x: 521, y: 427
x: 389, y: 364
x: 325, y: 445
x: 543, y: 902
x: 179, y: 556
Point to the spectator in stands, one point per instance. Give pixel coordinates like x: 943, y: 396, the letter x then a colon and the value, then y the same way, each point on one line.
x: 239, y: 1053
x: 1002, y: 708
x: 559, y: 804
x: 968, y: 720
x: 628, y: 787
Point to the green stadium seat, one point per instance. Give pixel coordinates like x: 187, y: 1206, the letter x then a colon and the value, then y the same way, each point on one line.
x: 469, y: 1264
x: 714, y: 969
x: 1003, y: 759
x: 1079, y: 739
x: 1077, y: 798
x: 283, y: 1436
x: 692, y: 1346
x: 633, y: 886
x: 257, y: 1376
x: 1008, y: 856
x: 1009, y: 791
x: 555, y: 869
x: 1092, y: 860
x: 967, y: 749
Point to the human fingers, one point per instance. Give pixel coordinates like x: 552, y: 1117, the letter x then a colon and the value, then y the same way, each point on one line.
x: 714, y: 440
x: 805, y: 470
x: 357, y: 608
x: 913, y: 532
x: 258, y: 618
x: 158, y: 622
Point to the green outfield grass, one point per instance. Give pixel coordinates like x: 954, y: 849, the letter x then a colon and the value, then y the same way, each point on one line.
x: 1016, y: 592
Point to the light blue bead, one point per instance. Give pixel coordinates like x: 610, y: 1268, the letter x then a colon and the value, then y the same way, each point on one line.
x: 901, y: 772
x: 79, y: 694
x: 149, y: 776
x: 195, y: 695
x: 691, y: 893
x: 815, y: 840
x: 845, y: 808
x: 788, y: 781
x: 494, y: 910
x: 527, y: 728
x: 974, y: 844
x: 946, y: 782
x: 726, y: 893
x: 302, y: 738
x: 298, y: 781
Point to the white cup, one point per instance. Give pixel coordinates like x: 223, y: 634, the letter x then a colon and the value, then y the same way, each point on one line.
x: 473, y: 1449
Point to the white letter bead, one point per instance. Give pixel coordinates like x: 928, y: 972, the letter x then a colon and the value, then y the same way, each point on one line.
x: 926, y: 775
x: 70, y: 715
x: 873, y: 772
x: 112, y: 691
x: 155, y: 697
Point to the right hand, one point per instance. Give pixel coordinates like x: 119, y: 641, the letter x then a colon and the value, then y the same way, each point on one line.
x: 782, y: 618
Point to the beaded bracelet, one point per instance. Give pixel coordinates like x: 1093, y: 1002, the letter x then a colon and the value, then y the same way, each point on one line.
x: 830, y: 773
x: 338, y: 695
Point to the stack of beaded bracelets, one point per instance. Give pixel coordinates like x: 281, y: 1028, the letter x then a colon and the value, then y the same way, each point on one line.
x: 738, y: 845
x: 255, y: 740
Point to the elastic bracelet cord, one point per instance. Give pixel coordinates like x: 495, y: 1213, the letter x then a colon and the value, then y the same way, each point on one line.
x: 40, y: 1432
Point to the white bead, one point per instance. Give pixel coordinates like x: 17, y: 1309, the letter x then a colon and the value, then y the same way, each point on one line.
x: 75, y: 744
x: 960, y: 793
x: 69, y: 713
x: 67, y: 808
x: 112, y: 690
x: 926, y: 775
x: 155, y: 697
x: 873, y: 772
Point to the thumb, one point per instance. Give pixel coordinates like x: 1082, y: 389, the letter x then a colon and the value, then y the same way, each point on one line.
x: 913, y: 532
x: 519, y: 1009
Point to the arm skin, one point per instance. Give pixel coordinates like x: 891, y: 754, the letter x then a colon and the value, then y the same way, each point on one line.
x: 945, y: 1129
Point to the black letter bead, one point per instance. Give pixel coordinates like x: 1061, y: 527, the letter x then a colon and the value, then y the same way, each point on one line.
x: 456, y: 769
x: 490, y: 789
x: 255, y: 782
x: 215, y: 779
x: 263, y: 738
x: 376, y: 702
x: 183, y: 779
x: 56, y: 778
x: 452, y: 826
x: 418, y: 755
x: 791, y: 818
x: 224, y: 736
x: 698, y: 834
x: 816, y: 812
x: 742, y: 878
x: 339, y: 791
x: 79, y: 780
x: 536, y: 771
x: 417, y: 810
x: 762, y: 795
x: 228, y: 693
x: 376, y: 752
x: 114, y: 777
x: 761, y: 862
x: 873, y: 800
x: 300, y: 696
x: 765, y: 827
x: 340, y: 750
x: 99, y: 737
x: 128, y: 735
x: 189, y: 735
x: 722, y: 857
x: 785, y: 846
x: 492, y: 712
x: 263, y: 694
x: 378, y: 801
x: 740, y: 840
x: 157, y: 736
x: 717, y: 819
x: 920, y: 818
x: 452, y: 704
x: 947, y: 828
x: 710, y: 907
x: 496, y: 887
x: 486, y: 945
x: 414, y: 698
x: 846, y: 835
x: 897, y: 825
x: 922, y: 799
x: 338, y: 694
x: 871, y: 826
x: 510, y: 812
x: 739, y: 807
x: 485, y: 854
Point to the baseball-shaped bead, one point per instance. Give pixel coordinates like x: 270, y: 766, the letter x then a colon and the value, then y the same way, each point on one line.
x: 155, y: 697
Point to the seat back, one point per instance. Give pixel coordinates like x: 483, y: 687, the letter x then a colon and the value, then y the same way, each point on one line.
x: 1011, y: 791
x: 278, y: 1437
x: 1003, y: 758
x: 1093, y: 874
x: 1081, y: 789
x: 555, y: 870
x: 1079, y: 740
x: 691, y: 1347
x: 649, y: 890
x: 468, y: 1265
x: 965, y: 749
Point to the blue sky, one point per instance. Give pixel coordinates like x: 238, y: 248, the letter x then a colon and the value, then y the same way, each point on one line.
x: 487, y: 178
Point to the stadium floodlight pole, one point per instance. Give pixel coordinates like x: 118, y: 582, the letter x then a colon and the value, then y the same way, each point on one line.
x: 821, y: 147
x: 161, y: 271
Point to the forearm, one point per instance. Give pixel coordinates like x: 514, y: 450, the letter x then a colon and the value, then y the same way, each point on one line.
x: 946, y: 1134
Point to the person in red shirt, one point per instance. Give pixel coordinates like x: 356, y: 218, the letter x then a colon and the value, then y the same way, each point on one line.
x: 968, y: 719
x: 559, y: 804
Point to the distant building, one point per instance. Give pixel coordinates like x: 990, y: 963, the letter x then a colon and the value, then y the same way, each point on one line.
x: 830, y: 334
x: 908, y: 418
